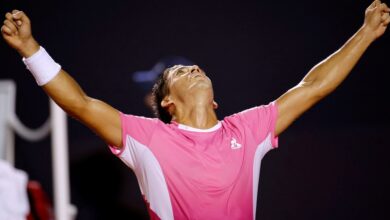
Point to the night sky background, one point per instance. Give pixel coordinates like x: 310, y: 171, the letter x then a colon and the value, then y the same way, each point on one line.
x: 332, y: 163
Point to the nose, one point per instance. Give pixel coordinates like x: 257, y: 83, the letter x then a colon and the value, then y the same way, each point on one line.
x: 195, y: 68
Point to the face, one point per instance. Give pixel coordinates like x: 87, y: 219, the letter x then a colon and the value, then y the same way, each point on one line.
x: 183, y: 79
x: 188, y: 81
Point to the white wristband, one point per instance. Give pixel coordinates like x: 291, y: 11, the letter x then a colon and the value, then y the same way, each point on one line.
x: 42, y: 66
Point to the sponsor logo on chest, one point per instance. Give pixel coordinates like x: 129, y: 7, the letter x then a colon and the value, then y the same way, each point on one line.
x: 234, y: 144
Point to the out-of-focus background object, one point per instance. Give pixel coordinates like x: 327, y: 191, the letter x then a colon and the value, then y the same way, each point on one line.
x: 332, y: 163
x: 13, y: 192
x: 145, y: 79
x: 9, y: 123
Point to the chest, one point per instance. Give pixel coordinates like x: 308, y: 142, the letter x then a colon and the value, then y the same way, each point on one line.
x: 207, y: 161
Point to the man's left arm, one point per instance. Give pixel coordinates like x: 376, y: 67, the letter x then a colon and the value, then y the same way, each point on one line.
x: 324, y: 78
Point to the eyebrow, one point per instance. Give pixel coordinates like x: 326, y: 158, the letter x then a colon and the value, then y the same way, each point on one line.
x: 176, y: 71
x: 180, y: 68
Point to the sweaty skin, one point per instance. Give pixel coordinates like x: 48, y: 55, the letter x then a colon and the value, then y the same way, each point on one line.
x: 191, y: 98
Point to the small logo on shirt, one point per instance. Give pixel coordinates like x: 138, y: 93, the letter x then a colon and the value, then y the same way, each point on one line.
x: 234, y: 144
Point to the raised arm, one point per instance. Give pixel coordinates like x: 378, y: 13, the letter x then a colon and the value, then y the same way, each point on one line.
x: 324, y: 78
x: 62, y: 88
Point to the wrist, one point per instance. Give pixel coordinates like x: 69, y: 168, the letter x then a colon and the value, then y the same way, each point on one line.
x: 367, y: 34
x: 42, y: 66
x: 29, y: 48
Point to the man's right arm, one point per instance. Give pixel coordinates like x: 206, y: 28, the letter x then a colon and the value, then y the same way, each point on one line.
x: 100, y: 117
x: 63, y: 89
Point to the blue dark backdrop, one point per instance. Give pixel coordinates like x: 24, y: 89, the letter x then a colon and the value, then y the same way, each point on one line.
x: 331, y: 164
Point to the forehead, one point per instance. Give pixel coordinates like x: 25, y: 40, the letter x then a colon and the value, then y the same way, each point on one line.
x: 169, y: 72
x: 175, y: 68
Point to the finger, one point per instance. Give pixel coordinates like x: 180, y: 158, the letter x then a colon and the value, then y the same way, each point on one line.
x: 6, y: 30
x: 385, y: 23
x: 10, y: 18
x: 10, y: 25
x: 8, y: 15
x: 382, y: 6
x: 385, y: 8
x: 384, y: 17
x: 374, y: 4
x: 20, y: 15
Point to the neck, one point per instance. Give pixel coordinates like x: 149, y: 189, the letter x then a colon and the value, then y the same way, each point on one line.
x: 196, y: 115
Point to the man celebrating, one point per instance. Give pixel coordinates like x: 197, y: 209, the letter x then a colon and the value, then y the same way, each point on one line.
x: 190, y: 165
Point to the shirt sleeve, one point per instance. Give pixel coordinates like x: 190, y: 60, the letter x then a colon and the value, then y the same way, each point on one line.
x: 136, y: 130
x: 261, y: 120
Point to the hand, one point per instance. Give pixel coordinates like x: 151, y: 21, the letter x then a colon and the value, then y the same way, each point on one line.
x: 376, y: 19
x: 16, y: 31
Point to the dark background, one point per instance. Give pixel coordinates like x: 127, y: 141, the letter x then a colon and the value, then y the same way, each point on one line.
x: 332, y: 163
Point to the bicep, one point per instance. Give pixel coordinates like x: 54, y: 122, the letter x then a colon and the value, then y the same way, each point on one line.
x: 294, y: 103
x: 104, y: 120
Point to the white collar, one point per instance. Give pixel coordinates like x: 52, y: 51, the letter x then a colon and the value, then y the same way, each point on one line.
x: 188, y: 128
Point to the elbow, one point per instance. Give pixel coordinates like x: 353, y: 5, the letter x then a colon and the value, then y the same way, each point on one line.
x: 322, y: 89
x: 316, y: 90
x: 78, y: 107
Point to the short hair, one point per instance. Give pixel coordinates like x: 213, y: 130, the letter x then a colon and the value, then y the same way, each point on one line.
x: 159, y: 91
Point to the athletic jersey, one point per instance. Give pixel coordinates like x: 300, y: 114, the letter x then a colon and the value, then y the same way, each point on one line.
x: 190, y: 173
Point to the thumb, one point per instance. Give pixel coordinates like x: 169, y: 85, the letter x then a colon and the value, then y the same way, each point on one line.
x: 375, y: 3
x: 20, y: 15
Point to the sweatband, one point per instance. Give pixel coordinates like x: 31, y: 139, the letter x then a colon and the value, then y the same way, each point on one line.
x: 42, y: 66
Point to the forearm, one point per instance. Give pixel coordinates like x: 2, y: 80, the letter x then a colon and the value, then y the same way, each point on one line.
x: 321, y: 80
x: 100, y: 117
x: 59, y: 85
x: 67, y: 93
x: 328, y: 74
x: 97, y: 115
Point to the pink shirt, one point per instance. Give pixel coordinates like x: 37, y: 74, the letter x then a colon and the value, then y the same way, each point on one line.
x: 189, y: 173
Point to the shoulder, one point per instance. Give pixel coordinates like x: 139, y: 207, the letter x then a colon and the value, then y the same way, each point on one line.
x: 253, y: 114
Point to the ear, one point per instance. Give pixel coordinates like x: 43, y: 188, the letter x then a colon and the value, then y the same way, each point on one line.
x: 215, y: 105
x: 166, y: 102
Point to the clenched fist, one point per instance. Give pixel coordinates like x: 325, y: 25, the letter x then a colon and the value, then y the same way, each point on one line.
x: 376, y: 19
x: 16, y: 31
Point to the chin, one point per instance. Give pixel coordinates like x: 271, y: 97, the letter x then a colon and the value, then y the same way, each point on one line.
x: 201, y: 85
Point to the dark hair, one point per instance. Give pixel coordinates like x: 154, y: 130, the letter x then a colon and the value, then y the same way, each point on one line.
x: 159, y: 91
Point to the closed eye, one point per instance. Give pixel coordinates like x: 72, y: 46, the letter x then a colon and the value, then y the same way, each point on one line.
x: 180, y: 71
